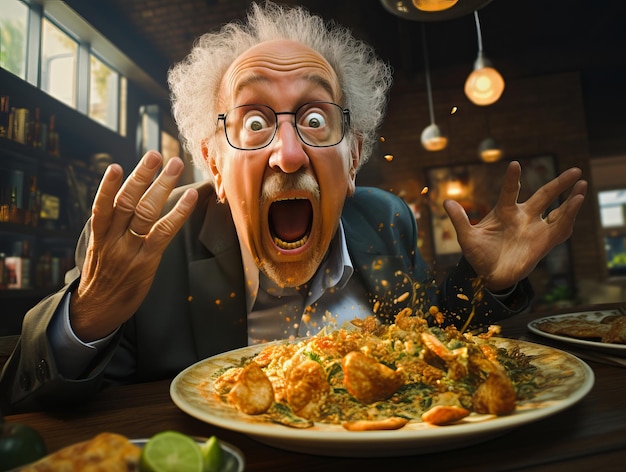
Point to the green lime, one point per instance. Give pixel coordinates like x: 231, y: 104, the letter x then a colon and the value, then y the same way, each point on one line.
x: 171, y: 451
x: 19, y: 445
x: 212, y: 454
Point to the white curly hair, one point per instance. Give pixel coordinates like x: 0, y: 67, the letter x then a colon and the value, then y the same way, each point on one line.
x: 364, y: 78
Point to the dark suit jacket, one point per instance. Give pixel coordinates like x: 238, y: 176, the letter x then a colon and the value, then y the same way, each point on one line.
x: 196, y: 306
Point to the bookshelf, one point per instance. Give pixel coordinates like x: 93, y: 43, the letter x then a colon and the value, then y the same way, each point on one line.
x: 46, y: 192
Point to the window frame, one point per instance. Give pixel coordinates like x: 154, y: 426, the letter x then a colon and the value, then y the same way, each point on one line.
x: 610, y: 231
x: 88, y: 39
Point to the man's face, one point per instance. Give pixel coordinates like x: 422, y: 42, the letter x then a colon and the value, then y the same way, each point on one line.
x: 286, y: 198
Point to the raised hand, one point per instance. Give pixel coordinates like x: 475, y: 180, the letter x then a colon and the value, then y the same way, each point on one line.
x: 126, y: 243
x: 506, y: 245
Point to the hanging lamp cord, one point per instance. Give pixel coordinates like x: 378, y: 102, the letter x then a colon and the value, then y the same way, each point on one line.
x: 478, y: 33
x: 427, y: 72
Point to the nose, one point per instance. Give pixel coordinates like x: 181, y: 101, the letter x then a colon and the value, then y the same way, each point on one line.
x: 288, y: 153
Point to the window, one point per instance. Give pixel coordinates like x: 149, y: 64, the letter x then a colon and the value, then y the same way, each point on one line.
x: 104, y: 91
x: 49, y: 45
x: 612, y: 208
x: 170, y: 146
x: 59, y: 55
x: 612, y: 205
x: 13, y: 34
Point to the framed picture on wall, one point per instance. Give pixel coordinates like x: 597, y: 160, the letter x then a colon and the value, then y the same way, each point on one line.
x: 476, y: 187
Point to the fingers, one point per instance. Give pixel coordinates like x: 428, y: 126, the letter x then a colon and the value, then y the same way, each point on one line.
x: 566, y: 213
x: 148, y: 209
x: 102, y: 208
x: 132, y: 208
x: 164, y: 229
x: 132, y: 190
x: 458, y: 216
x: 509, y: 193
x: 548, y: 193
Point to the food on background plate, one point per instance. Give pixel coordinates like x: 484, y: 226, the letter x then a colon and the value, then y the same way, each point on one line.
x: 167, y: 451
x: 610, y: 329
x: 106, y: 451
x: 375, y: 376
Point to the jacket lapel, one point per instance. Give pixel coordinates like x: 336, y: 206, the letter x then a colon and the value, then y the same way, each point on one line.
x: 216, y: 282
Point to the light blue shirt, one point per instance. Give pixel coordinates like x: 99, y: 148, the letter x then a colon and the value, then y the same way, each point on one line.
x: 330, y: 299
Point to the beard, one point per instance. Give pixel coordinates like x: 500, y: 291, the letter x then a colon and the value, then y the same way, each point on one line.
x: 292, y: 273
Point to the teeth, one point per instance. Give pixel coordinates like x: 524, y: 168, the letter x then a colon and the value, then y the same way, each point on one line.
x: 293, y: 245
x: 289, y: 198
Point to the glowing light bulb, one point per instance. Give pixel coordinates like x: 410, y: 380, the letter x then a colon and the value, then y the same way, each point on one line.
x: 434, y: 5
x: 484, y: 86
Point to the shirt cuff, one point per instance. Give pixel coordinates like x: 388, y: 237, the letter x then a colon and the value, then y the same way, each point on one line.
x: 503, y: 295
x: 72, y: 355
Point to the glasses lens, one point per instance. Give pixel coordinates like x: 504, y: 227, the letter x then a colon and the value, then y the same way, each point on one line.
x: 250, y: 126
x: 320, y: 124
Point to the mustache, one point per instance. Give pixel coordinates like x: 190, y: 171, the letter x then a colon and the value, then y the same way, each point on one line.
x: 276, y: 184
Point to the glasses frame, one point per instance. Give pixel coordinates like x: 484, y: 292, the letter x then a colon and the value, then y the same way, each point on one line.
x: 345, y: 123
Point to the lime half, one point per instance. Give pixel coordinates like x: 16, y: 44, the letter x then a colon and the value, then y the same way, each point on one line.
x: 170, y: 451
x: 212, y: 453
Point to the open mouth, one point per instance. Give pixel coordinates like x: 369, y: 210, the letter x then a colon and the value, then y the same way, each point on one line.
x: 290, y: 222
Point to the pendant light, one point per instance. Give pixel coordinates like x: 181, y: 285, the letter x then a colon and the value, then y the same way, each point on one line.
x: 434, y: 5
x: 489, y: 150
x: 433, y: 10
x: 484, y: 85
x: 431, y: 137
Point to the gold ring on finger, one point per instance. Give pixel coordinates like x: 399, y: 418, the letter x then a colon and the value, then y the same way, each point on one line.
x: 136, y: 234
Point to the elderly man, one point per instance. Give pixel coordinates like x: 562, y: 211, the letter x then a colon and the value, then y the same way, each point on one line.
x: 278, y: 242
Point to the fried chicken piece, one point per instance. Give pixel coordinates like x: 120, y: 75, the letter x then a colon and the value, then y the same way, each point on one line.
x: 455, y: 360
x: 252, y: 392
x: 368, y: 380
x: 306, y: 388
x: 496, y: 395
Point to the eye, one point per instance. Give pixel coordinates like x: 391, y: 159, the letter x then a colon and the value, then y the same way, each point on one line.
x: 256, y: 122
x: 314, y: 119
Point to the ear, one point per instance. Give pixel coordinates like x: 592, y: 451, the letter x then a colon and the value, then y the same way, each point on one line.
x: 216, y: 174
x: 355, y: 160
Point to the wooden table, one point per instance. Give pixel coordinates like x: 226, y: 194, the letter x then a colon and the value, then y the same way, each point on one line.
x: 591, y: 435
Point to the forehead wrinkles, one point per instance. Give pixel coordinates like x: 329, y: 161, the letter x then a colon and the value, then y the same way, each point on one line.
x: 258, y: 66
x: 314, y: 79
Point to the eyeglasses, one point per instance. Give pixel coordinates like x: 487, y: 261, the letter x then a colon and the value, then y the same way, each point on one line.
x: 318, y: 124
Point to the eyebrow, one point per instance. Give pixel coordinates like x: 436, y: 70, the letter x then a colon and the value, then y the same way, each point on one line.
x: 253, y: 78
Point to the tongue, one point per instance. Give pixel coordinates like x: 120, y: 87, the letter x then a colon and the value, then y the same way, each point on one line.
x: 290, y: 219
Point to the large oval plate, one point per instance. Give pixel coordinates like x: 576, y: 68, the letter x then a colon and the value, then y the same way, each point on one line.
x: 569, y: 380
